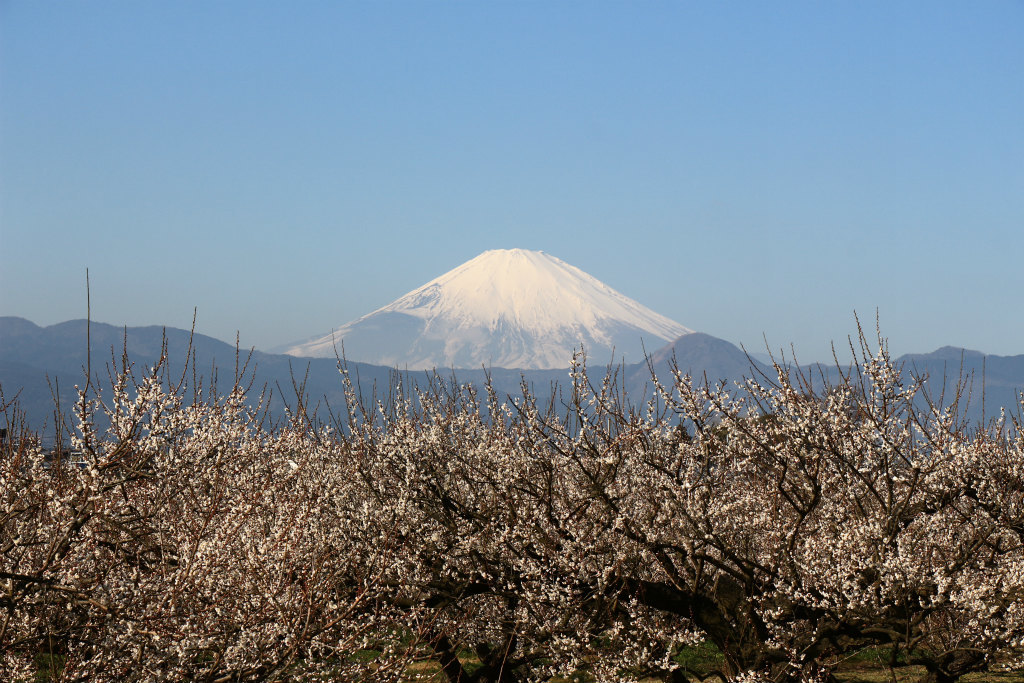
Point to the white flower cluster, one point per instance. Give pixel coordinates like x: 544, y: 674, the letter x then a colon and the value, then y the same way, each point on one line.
x: 786, y: 524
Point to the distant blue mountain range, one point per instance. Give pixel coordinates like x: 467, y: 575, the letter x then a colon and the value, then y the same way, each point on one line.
x: 41, y: 366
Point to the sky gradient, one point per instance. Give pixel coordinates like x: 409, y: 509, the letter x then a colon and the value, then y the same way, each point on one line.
x: 747, y: 169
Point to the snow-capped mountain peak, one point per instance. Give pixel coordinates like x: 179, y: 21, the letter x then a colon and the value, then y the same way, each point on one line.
x: 510, y: 308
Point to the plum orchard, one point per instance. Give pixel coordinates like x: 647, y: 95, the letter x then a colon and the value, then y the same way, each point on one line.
x: 191, y: 545
x: 787, y: 526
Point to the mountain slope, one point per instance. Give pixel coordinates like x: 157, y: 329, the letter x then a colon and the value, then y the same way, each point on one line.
x: 41, y: 364
x: 508, y: 308
x: 987, y: 383
x: 38, y: 362
x: 701, y: 356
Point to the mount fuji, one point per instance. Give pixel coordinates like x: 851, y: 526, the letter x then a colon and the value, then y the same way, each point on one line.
x: 506, y: 308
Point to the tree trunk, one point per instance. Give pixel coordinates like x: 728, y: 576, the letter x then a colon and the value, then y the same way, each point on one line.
x: 949, y: 667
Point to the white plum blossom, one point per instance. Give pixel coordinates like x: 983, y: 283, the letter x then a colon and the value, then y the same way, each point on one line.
x: 788, y: 524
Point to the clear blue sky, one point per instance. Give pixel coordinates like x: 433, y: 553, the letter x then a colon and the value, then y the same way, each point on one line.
x: 745, y: 168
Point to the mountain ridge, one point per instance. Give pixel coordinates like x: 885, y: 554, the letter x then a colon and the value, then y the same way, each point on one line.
x: 37, y: 363
x: 510, y: 308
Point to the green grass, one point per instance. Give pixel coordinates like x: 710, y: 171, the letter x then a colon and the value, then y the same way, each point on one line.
x: 698, y: 661
x: 867, y: 666
x: 871, y: 666
x: 48, y: 667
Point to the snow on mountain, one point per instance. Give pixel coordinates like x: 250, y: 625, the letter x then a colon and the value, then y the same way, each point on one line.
x: 510, y: 308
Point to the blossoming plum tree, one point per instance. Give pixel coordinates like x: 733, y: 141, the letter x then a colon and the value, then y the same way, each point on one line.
x: 191, y: 544
x: 790, y: 523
